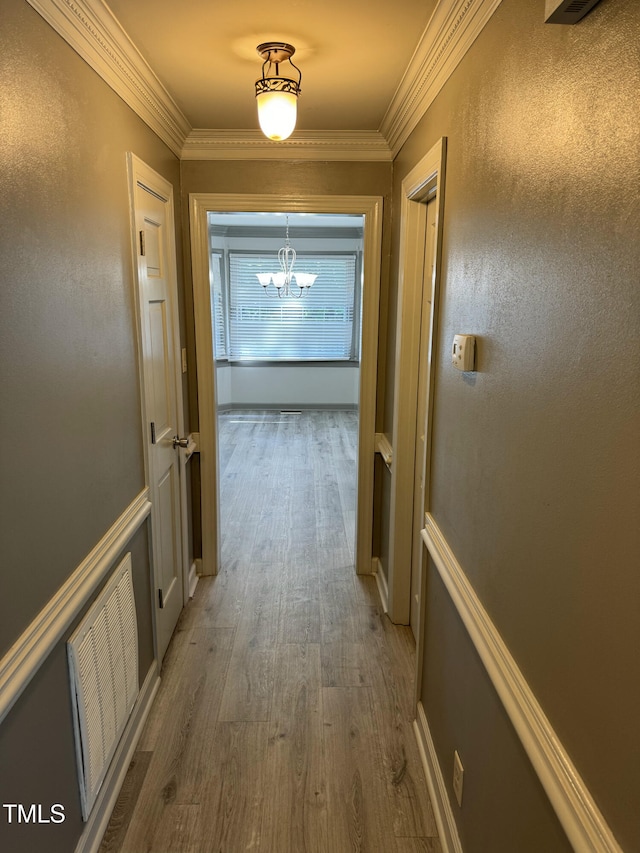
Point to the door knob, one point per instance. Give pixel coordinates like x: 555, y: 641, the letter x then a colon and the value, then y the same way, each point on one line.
x: 180, y: 442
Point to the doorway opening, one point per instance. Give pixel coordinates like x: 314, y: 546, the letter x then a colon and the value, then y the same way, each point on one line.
x: 287, y: 369
x: 367, y: 210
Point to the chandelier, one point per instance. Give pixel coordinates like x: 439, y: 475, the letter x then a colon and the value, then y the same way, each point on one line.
x: 283, y: 281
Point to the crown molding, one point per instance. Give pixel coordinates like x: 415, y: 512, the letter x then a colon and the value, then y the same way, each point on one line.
x: 203, y: 144
x: 91, y: 29
x: 451, y: 31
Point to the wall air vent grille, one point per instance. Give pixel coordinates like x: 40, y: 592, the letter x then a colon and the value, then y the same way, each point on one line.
x: 103, y: 670
x: 567, y: 11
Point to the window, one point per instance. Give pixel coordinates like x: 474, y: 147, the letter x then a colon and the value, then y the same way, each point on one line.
x: 218, y: 323
x: 321, y: 326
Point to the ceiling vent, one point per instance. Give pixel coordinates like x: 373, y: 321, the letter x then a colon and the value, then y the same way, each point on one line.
x: 567, y: 11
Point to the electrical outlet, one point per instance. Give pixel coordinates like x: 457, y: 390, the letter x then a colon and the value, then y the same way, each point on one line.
x: 458, y: 777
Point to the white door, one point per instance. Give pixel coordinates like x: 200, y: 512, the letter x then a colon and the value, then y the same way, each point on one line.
x: 162, y: 410
x: 422, y: 414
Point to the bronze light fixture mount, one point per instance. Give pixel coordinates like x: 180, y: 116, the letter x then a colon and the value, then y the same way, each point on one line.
x: 275, y: 53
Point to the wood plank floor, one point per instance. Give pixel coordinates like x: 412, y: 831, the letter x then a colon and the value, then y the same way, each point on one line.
x: 283, y: 723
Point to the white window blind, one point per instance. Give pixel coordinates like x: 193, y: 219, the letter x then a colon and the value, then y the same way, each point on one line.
x: 320, y: 326
x: 217, y: 307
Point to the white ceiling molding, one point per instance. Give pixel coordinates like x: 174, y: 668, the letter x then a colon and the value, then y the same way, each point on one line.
x: 302, y: 145
x: 91, y: 29
x: 96, y: 35
x: 453, y: 28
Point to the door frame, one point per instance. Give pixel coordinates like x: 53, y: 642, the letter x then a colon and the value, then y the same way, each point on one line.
x: 413, y: 216
x: 370, y: 207
x: 139, y: 173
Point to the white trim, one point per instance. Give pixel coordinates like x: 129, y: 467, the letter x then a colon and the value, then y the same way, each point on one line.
x: 413, y: 222
x: 91, y: 29
x: 363, y: 145
x: 445, y: 821
x: 381, y: 583
x: 384, y: 448
x: 29, y: 652
x: 576, y: 809
x: 451, y: 31
x: 371, y: 208
x: 194, y: 575
x: 96, y: 826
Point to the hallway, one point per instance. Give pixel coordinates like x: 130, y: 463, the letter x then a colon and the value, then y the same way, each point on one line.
x: 284, y: 717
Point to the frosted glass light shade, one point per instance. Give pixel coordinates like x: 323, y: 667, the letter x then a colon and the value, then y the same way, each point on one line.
x: 305, y: 279
x: 277, y: 114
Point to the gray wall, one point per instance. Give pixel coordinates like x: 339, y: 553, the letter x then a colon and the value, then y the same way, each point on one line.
x: 535, y: 460
x: 71, y: 457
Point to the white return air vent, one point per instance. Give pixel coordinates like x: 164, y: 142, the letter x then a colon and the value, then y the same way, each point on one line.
x: 567, y: 11
x: 103, y: 668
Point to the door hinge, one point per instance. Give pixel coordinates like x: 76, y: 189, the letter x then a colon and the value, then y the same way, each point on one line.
x: 142, y: 251
x: 160, y: 599
x: 153, y: 433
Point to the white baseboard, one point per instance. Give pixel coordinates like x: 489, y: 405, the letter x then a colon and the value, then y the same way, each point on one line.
x: 194, y: 575
x: 381, y: 582
x: 96, y: 826
x: 32, y: 648
x: 568, y: 794
x: 445, y: 821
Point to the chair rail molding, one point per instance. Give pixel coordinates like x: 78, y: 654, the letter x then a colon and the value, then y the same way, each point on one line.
x: 384, y: 448
x: 572, y: 802
x: 31, y: 649
x: 93, y: 31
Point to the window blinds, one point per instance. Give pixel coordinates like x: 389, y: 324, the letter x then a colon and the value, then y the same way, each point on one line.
x: 217, y: 307
x: 319, y: 326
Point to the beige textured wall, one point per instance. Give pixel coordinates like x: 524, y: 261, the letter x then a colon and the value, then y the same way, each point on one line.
x: 71, y: 455
x: 72, y: 458
x: 536, y: 459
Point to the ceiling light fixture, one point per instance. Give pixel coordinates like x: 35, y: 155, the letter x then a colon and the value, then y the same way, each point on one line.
x: 283, y: 280
x: 277, y: 96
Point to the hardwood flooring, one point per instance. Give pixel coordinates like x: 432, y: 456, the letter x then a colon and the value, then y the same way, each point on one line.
x: 283, y: 723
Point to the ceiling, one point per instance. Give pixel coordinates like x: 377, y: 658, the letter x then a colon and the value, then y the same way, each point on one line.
x: 352, y: 54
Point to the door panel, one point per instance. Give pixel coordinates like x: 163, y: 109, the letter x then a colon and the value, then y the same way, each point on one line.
x: 160, y: 356
x: 159, y: 367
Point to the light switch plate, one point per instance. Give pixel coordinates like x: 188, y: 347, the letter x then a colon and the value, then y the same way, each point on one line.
x: 463, y: 352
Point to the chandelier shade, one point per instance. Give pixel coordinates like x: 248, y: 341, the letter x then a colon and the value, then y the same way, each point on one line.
x: 284, y: 280
x: 277, y: 95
